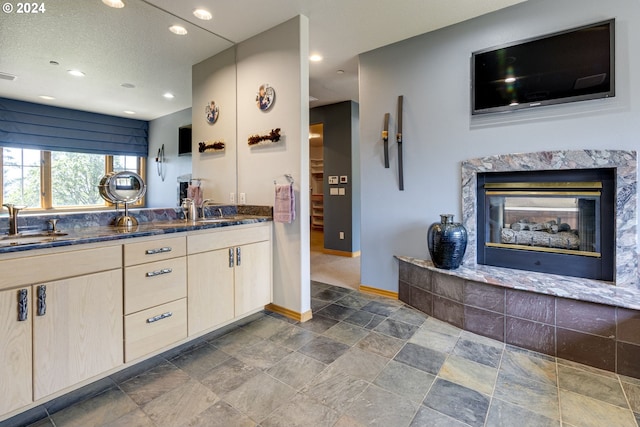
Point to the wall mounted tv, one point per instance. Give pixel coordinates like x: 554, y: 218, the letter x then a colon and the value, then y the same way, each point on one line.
x: 568, y: 66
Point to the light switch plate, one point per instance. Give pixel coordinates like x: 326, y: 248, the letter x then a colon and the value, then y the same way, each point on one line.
x: 341, y: 191
x: 333, y: 191
x: 333, y: 180
x: 242, y: 198
x: 343, y: 179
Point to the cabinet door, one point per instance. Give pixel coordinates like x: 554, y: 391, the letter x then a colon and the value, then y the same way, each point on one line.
x: 80, y: 334
x: 210, y: 289
x: 15, y: 351
x: 252, y: 277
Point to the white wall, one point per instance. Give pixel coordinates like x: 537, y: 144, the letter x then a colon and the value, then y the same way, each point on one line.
x: 214, y: 79
x: 432, y: 71
x: 279, y: 57
x: 164, y: 130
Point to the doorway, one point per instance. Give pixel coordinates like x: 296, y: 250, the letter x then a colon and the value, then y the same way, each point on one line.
x: 325, y: 267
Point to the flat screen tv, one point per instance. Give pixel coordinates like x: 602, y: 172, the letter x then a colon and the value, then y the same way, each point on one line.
x: 568, y: 66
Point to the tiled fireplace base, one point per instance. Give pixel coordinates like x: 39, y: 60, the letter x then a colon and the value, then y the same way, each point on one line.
x: 599, y: 335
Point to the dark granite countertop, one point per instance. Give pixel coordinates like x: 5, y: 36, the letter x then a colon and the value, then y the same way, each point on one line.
x: 77, y: 232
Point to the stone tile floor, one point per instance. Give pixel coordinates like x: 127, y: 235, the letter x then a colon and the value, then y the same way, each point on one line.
x: 361, y: 361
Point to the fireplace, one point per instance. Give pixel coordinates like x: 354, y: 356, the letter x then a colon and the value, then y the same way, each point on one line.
x: 624, y: 163
x: 560, y: 222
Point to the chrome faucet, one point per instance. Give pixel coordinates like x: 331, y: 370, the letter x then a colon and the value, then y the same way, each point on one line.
x: 13, y: 217
x: 204, y: 203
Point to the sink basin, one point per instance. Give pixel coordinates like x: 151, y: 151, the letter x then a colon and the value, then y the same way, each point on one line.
x: 31, y: 240
x: 28, y: 235
x: 213, y: 220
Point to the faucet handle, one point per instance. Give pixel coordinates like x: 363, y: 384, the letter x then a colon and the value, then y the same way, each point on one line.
x: 53, y: 222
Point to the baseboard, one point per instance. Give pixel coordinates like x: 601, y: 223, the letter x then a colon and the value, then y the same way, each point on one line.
x: 300, y: 317
x: 341, y: 253
x: 377, y: 291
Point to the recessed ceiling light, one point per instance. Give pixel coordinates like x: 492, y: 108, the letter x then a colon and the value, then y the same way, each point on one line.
x: 76, y: 73
x: 46, y: 97
x: 129, y: 112
x: 205, y: 15
x: 169, y: 95
x: 54, y: 63
x: 340, y: 72
x: 177, y: 29
x: 315, y: 57
x: 128, y: 85
x: 510, y: 80
x: 114, y: 3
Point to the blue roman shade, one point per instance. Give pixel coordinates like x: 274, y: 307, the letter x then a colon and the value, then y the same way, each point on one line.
x: 42, y: 127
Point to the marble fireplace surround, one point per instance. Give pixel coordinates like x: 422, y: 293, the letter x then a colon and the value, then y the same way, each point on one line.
x: 625, y: 162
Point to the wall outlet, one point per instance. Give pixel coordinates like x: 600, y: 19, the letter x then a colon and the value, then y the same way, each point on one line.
x: 342, y: 235
x: 242, y: 199
x: 232, y: 197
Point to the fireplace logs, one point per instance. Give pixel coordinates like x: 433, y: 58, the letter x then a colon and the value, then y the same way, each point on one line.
x: 544, y: 234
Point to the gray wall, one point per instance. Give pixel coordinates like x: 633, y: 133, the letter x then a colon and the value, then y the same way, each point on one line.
x: 340, y: 140
x: 164, y: 130
x: 432, y: 71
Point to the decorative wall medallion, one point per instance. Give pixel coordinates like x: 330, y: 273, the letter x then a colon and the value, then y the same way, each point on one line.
x: 265, y: 97
x: 211, y: 111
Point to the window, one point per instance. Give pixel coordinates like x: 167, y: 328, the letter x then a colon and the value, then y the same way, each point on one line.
x: 58, y: 179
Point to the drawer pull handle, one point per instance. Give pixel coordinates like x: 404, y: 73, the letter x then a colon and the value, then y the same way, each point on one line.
x: 238, y: 255
x: 159, y: 250
x: 23, y: 305
x: 159, y: 272
x: 42, y: 300
x: 159, y: 317
x: 230, y: 257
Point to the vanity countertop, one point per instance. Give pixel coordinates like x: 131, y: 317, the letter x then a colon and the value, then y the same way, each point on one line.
x: 103, y: 233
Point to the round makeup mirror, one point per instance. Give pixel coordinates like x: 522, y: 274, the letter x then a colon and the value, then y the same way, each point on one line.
x: 123, y: 187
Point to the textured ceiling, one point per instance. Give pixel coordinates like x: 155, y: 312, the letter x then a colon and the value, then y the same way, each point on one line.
x: 132, y: 45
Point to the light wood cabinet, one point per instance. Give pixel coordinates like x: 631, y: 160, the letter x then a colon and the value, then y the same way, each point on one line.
x: 253, y: 270
x: 15, y: 350
x: 70, y: 329
x: 210, y: 289
x: 155, y: 291
x: 78, y: 333
x: 229, y: 274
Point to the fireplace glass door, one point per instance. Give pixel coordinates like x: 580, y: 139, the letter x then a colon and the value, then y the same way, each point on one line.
x: 550, y: 217
x: 559, y: 222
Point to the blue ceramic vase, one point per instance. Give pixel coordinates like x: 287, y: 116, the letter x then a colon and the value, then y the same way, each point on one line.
x: 447, y: 242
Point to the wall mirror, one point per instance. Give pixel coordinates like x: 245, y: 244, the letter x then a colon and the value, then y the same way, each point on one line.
x: 129, y: 57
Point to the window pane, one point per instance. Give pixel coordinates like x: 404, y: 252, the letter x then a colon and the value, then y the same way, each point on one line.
x: 75, y: 178
x: 125, y: 163
x: 21, y: 177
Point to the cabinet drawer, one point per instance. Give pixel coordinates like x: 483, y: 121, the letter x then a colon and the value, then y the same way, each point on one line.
x: 44, y: 268
x: 154, y: 250
x: 154, y: 283
x: 233, y: 236
x: 154, y: 328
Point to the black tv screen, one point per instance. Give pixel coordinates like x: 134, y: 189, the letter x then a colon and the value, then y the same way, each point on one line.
x: 572, y: 65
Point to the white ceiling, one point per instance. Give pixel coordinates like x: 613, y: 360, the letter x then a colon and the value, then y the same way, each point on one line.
x: 133, y: 45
